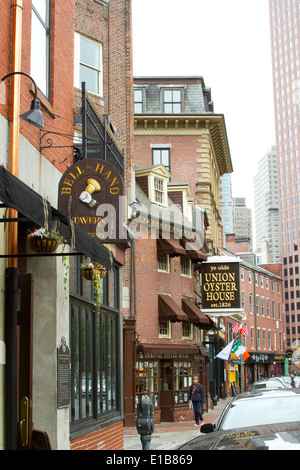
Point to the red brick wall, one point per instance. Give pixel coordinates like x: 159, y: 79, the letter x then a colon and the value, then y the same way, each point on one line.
x: 110, y: 438
x: 183, y: 156
x: 267, y: 323
x: 58, y: 111
x: 150, y: 282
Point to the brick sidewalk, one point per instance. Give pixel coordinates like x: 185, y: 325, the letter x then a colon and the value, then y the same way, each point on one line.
x: 175, y: 427
x: 210, y: 417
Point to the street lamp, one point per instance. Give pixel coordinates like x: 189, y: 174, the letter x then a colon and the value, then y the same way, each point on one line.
x: 34, y: 116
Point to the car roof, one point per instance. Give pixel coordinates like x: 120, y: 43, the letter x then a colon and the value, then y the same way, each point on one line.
x: 272, y: 392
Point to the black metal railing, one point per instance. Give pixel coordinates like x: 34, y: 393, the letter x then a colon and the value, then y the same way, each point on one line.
x: 98, y: 140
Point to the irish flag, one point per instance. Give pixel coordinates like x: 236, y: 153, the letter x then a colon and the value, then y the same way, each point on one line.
x: 239, y: 350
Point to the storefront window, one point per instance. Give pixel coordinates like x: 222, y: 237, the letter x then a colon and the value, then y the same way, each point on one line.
x: 94, y: 339
x: 147, y: 381
x: 183, y: 379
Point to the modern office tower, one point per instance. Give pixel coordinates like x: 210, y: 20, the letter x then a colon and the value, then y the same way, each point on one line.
x: 285, y: 39
x: 266, y: 205
x: 226, y: 205
x: 242, y: 219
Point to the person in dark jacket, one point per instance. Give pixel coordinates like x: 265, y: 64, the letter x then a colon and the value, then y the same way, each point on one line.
x: 197, y: 397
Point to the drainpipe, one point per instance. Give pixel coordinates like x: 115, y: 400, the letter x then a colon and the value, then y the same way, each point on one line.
x: 17, y: 8
x: 12, y: 272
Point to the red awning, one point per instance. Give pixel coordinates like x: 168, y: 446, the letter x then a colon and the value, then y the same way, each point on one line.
x: 193, y: 253
x: 168, y: 310
x: 196, y: 316
x: 169, y: 247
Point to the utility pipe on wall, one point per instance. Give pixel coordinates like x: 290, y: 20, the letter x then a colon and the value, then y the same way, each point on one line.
x: 17, y: 15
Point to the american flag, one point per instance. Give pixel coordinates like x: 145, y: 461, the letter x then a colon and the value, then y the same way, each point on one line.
x: 235, y: 327
x: 243, y: 329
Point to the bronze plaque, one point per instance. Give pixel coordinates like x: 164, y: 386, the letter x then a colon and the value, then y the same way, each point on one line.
x: 63, y: 375
x: 90, y: 193
x: 220, y: 286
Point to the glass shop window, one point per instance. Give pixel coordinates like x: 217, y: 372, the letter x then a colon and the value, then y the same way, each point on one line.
x: 94, y: 340
x: 183, y: 379
x: 147, y: 381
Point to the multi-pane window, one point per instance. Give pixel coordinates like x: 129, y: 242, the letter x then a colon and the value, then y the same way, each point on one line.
x: 147, y: 380
x: 163, y: 263
x: 183, y: 378
x: 94, y: 339
x: 158, y: 190
x: 164, y: 329
x: 171, y: 101
x: 187, y: 330
x: 262, y: 307
x: 138, y: 101
x: 161, y: 156
x: 40, y: 48
x: 186, y: 267
x: 88, y: 64
x: 250, y: 304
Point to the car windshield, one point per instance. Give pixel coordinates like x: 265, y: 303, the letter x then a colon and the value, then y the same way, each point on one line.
x: 261, y: 411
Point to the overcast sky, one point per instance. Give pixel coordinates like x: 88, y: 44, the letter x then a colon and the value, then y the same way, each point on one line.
x: 227, y: 42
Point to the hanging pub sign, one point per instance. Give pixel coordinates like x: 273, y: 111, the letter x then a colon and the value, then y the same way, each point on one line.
x: 91, y: 193
x: 221, y: 287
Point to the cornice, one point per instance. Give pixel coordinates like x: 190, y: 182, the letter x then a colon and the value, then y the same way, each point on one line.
x: 209, y: 124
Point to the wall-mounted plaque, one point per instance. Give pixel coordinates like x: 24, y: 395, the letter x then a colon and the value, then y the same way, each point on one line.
x: 63, y: 374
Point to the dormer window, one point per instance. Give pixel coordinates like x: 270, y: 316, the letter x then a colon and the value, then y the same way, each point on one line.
x: 154, y: 183
x: 158, y: 190
x: 172, y: 101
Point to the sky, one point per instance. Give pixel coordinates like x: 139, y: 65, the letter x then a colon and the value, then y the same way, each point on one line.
x: 227, y: 42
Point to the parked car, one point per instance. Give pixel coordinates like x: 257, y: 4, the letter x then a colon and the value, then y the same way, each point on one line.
x: 265, y: 419
x: 268, y: 383
x: 288, y: 380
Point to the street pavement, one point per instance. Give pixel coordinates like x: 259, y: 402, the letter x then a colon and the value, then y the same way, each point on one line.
x: 168, y: 436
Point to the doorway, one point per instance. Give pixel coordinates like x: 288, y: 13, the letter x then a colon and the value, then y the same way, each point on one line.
x: 166, y: 391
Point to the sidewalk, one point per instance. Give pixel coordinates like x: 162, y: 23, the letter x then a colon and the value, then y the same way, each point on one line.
x: 168, y: 436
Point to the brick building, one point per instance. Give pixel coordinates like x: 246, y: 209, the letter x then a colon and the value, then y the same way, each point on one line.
x: 175, y: 128
x: 262, y: 301
x: 169, y: 325
x: 56, y: 306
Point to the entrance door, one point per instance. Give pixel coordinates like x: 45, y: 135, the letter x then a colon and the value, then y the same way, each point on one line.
x: 25, y: 328
x: 166, y: 391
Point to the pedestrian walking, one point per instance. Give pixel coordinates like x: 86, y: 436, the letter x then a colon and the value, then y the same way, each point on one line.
x: 197, y: 397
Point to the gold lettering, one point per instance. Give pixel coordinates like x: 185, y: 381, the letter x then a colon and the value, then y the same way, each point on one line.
x: 65, y: 190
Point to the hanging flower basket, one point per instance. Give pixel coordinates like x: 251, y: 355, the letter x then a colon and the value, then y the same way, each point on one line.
x: 41, y: 241
x: 94, y: 272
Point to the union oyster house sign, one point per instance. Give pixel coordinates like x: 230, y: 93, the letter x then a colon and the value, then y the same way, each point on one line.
x: 90, y: 193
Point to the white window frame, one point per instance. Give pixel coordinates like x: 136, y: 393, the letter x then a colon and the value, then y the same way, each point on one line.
x: 187, y: 263
x: 167, y: 270
x: 189, y: 326
x: 169, y: 329
x: 40, y: 66
x: 77, y: 62
x: 164, y: 190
